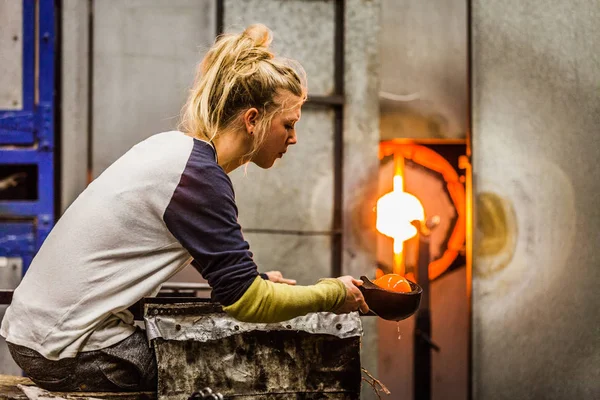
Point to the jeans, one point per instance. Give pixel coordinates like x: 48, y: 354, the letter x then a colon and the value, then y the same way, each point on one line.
x: 127, y: 366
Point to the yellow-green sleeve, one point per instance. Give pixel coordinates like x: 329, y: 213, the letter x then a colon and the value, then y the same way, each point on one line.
x: 265, y: 301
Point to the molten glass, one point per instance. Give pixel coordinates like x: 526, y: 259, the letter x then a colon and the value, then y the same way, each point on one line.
x: 395, y: 212
x: 393, y: 283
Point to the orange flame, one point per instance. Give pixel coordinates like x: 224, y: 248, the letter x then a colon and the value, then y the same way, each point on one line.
x: 395, y: 212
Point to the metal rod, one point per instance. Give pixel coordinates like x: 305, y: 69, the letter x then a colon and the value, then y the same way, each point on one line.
x: 220, y: 17
x: 338, y: 141
x: 58, y: 154
x: 333, y: 100
x: 90, y: 105
x: 430, y: 141
x: 422, y: 347
x: 339, y: 38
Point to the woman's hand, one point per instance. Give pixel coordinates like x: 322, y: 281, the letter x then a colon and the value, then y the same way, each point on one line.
x: 354, y: 297
x: 277, y: 277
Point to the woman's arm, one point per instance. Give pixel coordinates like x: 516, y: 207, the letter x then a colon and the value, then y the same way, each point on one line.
x: 265, y: 301
x: 202, y: 216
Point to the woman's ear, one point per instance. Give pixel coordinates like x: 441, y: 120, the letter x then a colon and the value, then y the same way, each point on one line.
x: 250, y: 119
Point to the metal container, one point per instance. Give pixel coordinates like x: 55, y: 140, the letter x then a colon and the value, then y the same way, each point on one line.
x: 198, y: 346
x: 393, y: 306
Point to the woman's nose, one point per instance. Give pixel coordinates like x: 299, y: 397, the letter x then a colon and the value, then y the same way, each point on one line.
x: 293, y: 139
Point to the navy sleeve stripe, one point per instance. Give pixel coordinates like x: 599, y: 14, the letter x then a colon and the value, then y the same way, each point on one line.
x: 202, y: 216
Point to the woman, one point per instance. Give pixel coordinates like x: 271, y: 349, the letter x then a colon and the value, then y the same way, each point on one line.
x: 165, y: 203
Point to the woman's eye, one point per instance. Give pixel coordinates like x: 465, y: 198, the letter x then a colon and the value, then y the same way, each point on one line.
x: 289, y: 127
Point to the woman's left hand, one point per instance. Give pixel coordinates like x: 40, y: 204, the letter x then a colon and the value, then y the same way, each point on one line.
x: 277, y: 277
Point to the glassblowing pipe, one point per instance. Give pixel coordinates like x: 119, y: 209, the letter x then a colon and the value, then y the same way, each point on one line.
x: 422, y: 334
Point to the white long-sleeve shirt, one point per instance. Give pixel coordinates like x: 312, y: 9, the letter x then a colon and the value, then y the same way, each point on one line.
x: 163, y: 204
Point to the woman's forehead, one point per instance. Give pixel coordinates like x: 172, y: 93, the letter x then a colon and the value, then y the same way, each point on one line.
x: 293, y: 114
x: 290, y: 104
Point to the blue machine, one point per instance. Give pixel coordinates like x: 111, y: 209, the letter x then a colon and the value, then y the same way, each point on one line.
x: 27, y: 145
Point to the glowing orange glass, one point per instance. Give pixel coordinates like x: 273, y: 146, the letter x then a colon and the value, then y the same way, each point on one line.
x: 394, y: 283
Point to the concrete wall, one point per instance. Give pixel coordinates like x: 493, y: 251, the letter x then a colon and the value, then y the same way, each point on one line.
x: 75, y: 18
x: 424, y: 69
x: 536, y: 143
x: 11, y: 54
x: 144, y: 58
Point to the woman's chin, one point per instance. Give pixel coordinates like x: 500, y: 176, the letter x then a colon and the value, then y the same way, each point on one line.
x: 264, y: 164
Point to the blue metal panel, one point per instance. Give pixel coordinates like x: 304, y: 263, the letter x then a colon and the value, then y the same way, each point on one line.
x: 41, y: 210
x: 17, y: 239
x: 17, y: 127
x: 47, y: 41
x: 33, y: 126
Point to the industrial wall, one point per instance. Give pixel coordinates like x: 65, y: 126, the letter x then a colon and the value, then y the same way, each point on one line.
x: 536, y: 143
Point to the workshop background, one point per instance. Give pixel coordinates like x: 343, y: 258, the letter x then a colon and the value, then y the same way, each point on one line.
x: 507, y: 92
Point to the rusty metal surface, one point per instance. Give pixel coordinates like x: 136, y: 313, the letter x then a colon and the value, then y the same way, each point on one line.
x: 207, y: 322
x: 280, y: 365
x: 198, y: 345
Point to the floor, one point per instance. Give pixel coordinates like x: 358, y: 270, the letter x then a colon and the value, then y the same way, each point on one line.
x: 10, y: 391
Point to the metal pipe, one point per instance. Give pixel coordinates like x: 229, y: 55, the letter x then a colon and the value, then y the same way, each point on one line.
x: 220, y: 16
x: 338, y: 141
x: 332, y: 100
x: 422, y: 334
x: 90, y: 93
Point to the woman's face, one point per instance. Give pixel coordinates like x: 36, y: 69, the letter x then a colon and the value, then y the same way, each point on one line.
x: 281, y: 134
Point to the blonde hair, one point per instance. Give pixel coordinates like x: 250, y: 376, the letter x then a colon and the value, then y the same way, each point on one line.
x: 239, y: 72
